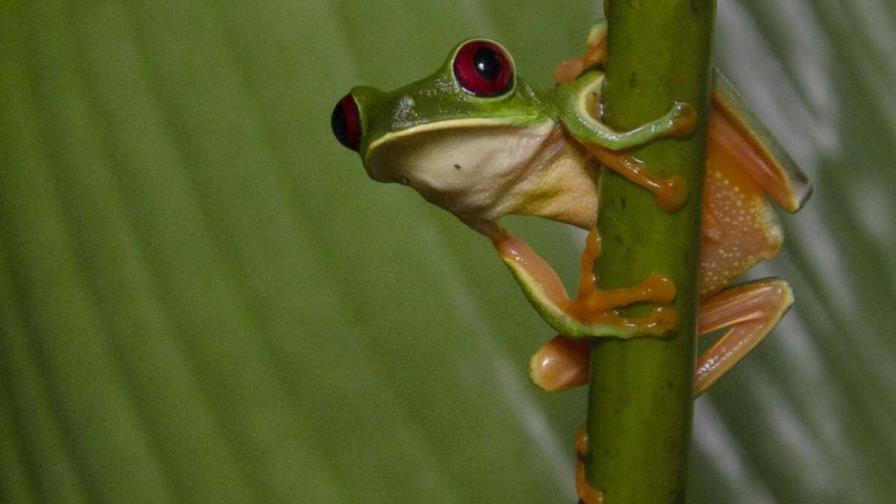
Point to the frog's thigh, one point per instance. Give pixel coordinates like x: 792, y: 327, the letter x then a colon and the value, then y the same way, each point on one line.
x: 751, y: 311
x: 740, y: 228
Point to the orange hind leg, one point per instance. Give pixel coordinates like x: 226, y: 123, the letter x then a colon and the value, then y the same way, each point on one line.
x: 587, y: 493
x: 750, y: 311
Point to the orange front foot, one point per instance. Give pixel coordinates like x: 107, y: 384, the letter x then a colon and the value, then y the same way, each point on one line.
x: 593, y: 304
x: 670, y: 193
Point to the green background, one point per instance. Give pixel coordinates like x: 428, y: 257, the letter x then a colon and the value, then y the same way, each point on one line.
x: 204, y: 299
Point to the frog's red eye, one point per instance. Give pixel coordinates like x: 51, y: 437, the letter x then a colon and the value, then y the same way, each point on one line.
x: 483, y: 68
x: 346, y: 122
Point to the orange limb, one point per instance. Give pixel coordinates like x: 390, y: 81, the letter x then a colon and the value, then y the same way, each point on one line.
x: 563, y: 362
x: 587, y: 493
x: 732, y: 146
x: 592, y: 305
x: 740, y: 228
x: 747, y: 146
x: 655, y: 288
x: 569, y: 70
x: 750, y: 311
x: 560, y: 364
x: 670, y: 193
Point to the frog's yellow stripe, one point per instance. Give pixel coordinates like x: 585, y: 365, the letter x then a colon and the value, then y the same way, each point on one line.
x: 474, y: 122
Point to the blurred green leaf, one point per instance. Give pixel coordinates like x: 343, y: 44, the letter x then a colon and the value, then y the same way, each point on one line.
x: 204, y: 299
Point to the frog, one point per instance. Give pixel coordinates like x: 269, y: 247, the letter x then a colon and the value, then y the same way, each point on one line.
x: 482, y: 142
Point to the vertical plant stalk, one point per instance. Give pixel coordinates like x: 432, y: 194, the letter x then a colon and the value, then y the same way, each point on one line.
x: 641, y: 396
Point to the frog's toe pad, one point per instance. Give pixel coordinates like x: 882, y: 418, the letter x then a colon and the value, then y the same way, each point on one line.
x: 684, y: 120
x: 560, y: 364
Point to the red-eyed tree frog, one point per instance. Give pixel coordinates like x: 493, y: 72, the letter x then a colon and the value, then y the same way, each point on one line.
x: 481, y: 142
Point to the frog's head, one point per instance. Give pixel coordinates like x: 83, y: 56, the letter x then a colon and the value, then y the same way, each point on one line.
x: 449, y: 133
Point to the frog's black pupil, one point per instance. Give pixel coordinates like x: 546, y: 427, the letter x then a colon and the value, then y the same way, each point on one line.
x: 337, y: 122
x: 488, y: 64
x: 346, y: 122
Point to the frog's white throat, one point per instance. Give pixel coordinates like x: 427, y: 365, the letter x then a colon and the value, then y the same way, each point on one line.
x: 483, y: 173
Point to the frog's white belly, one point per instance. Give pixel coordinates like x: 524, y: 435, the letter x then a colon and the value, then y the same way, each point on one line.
x: 483, y: 173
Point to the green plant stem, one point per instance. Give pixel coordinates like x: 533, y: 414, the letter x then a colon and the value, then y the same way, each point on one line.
x: 640, y: 400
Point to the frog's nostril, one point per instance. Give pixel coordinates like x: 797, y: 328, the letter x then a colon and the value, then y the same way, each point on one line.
x: 346, y: 122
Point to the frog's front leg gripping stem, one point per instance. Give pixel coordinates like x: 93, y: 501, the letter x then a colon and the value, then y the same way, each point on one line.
x: 582, y: 98
x: 594, y: 312
x: 670, y: 193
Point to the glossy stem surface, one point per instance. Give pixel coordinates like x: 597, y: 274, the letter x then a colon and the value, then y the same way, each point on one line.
x: 641, y: 396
